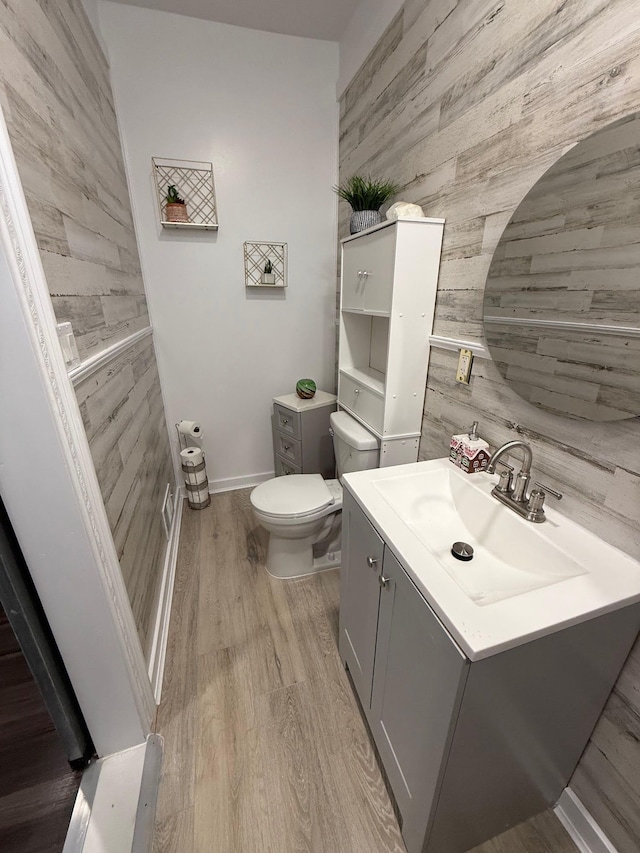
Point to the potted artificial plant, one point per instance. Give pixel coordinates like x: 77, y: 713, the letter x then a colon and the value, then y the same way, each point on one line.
x: 175, y: 207
x: 366, y: 196
x: 268, y: 276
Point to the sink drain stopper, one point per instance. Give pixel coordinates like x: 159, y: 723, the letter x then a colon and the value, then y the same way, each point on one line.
x: 462, y: 551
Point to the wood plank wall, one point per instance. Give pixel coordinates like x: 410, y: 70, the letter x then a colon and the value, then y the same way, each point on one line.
x: 467, y: 103
x: 56, y: 97
x: 571, y: 253
x: 123, y: 414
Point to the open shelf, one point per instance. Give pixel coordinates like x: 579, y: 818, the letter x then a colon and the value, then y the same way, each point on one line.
x: 368, y: 377
x: 200, y: 225
x: 360, y: 313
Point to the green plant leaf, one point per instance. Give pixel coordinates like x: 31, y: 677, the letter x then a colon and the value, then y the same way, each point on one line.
x: 365, y: 193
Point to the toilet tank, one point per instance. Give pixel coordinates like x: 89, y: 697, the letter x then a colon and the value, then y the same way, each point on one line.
x: 356, y: 449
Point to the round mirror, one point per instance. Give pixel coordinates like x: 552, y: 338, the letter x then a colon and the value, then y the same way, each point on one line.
x: 562, y: 299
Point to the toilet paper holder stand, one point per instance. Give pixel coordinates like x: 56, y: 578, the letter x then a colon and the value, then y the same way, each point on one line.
x: 187, y: 430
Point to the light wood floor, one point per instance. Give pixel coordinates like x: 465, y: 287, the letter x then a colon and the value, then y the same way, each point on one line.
x: 265, y: 748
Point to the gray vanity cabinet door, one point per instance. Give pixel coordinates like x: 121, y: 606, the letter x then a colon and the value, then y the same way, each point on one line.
x: 418, y: 683
x: 362, y: 551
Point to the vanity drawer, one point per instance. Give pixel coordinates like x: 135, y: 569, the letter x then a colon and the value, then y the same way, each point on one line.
x: 367, y: 272
x: 287, y: 421
x: 361, y: 401
x: 289, y: 448
x: 283, y: 466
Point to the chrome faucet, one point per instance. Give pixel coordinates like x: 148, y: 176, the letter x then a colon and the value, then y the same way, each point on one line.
x: 514, y: 495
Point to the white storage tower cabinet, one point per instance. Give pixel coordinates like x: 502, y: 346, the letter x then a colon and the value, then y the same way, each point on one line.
x: 388, y: 295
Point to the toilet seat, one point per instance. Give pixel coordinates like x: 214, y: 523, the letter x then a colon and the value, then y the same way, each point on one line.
x: 294, y: 496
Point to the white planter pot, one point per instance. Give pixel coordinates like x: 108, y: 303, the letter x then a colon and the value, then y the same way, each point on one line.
x: 361, y: 219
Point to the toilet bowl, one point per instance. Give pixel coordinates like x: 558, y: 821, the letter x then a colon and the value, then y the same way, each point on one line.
x: 302, y: 512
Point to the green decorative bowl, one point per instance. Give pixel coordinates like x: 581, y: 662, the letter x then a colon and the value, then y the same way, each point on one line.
x: 305, y: 388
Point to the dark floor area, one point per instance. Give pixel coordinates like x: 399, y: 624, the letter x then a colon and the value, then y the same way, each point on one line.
x: 37, y: 785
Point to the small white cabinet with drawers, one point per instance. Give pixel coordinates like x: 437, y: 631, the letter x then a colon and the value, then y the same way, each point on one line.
x: 388, y: 292
x: 302, y: 443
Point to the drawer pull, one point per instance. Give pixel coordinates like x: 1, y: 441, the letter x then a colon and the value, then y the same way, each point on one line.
x: 287, y: 447
x: 285, y: 420
x: 356, y: 390
x: 371, y: 561
x: 382, y: 580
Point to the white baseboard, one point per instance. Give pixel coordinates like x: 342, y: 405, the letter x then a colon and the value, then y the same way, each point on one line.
x: 163, y: 616
x: 115, y: 807
x: 581, y: 826
x: 233, y: 483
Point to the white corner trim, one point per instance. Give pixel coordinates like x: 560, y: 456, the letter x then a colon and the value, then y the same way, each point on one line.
x: 477, y: 348
x: 90, y: 365
x: 584, y: 831
x: 18, y: 241
x: 163, y: 616
x: 116, y: 802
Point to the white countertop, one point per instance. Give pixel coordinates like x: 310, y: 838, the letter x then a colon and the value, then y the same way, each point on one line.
x: 297, y: 404
x: 611, y: 582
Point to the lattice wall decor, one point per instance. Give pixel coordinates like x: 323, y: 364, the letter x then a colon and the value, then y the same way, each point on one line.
x: 193, y: 181
x: 256, y: 256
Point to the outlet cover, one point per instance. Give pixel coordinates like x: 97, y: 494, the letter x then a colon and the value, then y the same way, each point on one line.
x: 465, y: 360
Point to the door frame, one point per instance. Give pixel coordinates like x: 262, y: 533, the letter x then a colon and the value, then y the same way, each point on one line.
x: 52, y: 495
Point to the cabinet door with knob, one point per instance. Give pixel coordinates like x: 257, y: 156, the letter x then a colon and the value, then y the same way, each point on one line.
x: 367, y: 274
x: 417, y: 687
x: 362, y: 553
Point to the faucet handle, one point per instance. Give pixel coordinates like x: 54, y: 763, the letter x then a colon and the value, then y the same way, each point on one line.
x: 549, y: 491
x: 535, y: 504
x: 504, y: 483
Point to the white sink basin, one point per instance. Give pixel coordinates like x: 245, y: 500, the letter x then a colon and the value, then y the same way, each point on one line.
x: 536, y: 578
x: 511, y: 556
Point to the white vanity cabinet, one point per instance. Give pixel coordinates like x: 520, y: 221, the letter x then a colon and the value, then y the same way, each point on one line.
x: 469, y: 747
x: 388, y: 292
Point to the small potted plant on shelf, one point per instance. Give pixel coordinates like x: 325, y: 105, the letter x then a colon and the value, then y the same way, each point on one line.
x: 366, y: 196
x: 175, y: 207
x: 268, y: 276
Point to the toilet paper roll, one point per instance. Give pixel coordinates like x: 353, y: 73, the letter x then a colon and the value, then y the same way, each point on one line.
x: 193, y: 466
x: 190, y: 428
x: 192, y: 456
x: 197, y: 480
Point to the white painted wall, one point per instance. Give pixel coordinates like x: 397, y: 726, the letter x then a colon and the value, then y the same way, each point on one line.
x: 262, y: 107
x: 369, y: 21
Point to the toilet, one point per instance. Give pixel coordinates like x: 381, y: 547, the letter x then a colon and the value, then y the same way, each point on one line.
x: 302, y: 512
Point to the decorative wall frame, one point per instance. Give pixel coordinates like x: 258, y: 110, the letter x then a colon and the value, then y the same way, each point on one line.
x: 256, y: 256
x: 193, y: 181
